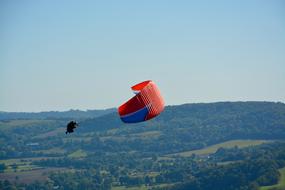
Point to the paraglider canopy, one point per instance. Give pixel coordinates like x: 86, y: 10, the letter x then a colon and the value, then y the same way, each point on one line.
x: 147, y: 104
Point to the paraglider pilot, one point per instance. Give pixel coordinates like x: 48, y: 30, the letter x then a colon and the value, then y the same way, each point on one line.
x: 71, y: 126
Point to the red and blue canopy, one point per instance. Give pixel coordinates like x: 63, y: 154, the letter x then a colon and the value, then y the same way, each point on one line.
x: 146, y: 104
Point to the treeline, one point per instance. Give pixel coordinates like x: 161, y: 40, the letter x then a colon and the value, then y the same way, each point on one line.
x: 71, y: 114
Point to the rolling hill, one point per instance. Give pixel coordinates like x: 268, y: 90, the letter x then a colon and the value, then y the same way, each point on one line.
x: 194, y: 146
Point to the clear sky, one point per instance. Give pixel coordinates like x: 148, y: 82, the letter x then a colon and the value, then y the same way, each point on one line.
x: 60, y: 55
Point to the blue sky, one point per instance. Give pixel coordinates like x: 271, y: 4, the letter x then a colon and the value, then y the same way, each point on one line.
x: 60, y: 55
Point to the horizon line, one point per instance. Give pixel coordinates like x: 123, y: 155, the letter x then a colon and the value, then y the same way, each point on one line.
x: 102, y: 109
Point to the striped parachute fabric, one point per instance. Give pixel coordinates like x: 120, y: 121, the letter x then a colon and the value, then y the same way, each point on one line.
x: 146, y: 104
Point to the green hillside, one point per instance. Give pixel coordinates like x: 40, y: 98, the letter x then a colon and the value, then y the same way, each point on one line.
x: 226, y: 145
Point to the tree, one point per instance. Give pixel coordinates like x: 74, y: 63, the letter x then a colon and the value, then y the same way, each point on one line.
x: 2, y: 168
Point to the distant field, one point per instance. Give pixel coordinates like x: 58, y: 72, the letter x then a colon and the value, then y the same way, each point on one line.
x: 55, y: 150
x: 143, y: 135
x: 24, y: 122
x: 21, y: 164
x: 148, y: 134
x: 73, y: 138
x: 227, y: 144
x: 29, y: 176
x: 19, y: 160
x: 78, y: 154
x: 142, y: 187
x: 280, y: 185
x: 50, y: 133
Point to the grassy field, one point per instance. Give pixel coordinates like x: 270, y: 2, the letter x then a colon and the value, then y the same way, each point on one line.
x: 143, y: 135
x: 227, y: 144
x: 29, y: 176
x: 50, y: 133
x: 78, y: 154
x: 142, y: 187
x: 52, y: 151
x: 280, y: 185
x: 21, y: 164
x: 148, y: 134
x: 24, y: 122
x: 22, y: 171
x: 76, y: 139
